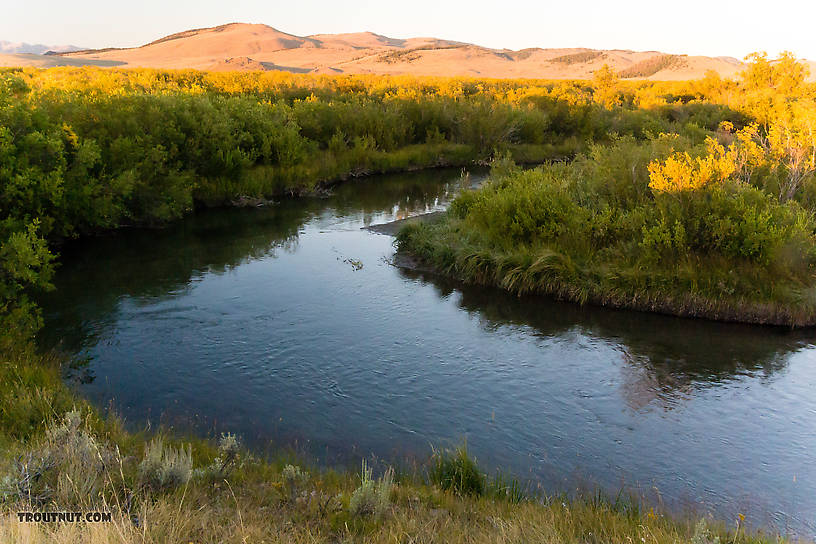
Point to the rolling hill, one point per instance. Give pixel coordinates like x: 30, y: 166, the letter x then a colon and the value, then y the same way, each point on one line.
x: 33, y: 48
x: 240, y: 46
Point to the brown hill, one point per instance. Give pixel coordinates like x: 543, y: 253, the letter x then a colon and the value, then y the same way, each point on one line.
x: 241, y: 46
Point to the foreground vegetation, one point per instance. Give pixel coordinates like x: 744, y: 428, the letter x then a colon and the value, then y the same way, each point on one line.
x: 60, y: 456
x: 721, y: 228
x: 693, y: 197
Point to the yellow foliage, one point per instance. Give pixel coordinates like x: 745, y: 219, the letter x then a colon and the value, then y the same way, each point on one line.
x: 682, y: 172
x: 788, y: 142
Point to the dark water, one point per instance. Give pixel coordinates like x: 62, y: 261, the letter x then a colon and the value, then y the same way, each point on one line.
x: 256, y: 321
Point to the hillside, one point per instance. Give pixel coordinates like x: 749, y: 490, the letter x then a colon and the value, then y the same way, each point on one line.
x: 33, y: 48
x: 241, y: 46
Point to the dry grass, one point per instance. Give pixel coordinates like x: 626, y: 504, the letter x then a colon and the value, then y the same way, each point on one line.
x: 88, y: 464
x: 261, y: 501
x: 409, y: 520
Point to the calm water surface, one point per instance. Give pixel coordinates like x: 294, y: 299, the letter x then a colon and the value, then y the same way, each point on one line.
x: 258, y: 322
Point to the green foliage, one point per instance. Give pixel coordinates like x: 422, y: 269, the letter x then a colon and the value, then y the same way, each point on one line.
x: 457, y: 471
x: 26, y: 262
x: 523, y: 207
x: 731, y: 220
x: 86, y: 150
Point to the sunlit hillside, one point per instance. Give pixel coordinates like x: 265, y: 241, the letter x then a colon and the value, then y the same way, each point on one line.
x: 260, y: 47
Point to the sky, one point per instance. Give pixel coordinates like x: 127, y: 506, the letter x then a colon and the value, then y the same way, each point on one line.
x: 696, y: 27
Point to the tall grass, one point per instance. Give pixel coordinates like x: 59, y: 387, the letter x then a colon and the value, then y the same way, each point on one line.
x: 457, y: 471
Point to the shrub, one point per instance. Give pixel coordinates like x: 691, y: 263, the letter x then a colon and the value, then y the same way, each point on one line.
x: 576, y: 58
x: 294, y: 478
x: 373, y: 496
x: 293, y: 475
x: 229, y: 448
x: 681, y: 172
x: 651, y: 66
x: 165, y: 467
x: 594, y: 229
x: 68, y: 468
x: 702, y: 535
x: 522, y: 206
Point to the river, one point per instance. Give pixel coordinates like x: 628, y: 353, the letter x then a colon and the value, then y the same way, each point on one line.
x: 288, y: 324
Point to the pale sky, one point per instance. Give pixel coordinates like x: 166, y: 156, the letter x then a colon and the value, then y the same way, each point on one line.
x: 696, y: 27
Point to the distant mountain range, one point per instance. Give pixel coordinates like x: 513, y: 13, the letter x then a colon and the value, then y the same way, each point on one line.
x: 34, y: 48
x: 240, y: 46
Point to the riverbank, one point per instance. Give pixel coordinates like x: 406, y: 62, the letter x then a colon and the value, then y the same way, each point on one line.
x: 327, y: 170
x: 596, y: 231
x: 426, y: 248
x: 60, y: 455
x: 393, y: 228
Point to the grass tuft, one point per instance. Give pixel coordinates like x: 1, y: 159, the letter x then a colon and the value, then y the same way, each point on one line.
x: 456, y: 471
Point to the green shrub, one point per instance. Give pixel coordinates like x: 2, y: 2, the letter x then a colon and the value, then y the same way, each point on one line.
x: 595, y: 230
x: 522, y: 207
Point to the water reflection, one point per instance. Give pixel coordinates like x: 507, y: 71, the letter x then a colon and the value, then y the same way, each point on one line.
x: 666, y: 358
x: 253, y: 321
x: 153, y: 264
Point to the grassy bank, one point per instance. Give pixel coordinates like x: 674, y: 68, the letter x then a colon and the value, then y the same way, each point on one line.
x: 327, y: 168
x: 728, y: 253
x: 59, y: 455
